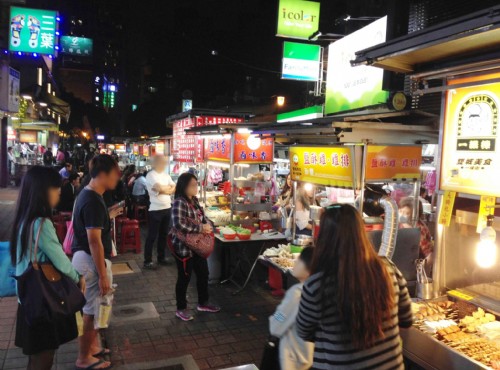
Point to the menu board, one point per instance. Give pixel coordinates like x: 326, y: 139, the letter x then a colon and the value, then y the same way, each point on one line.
x: 185, y: 146
x: 395, y: 162
x: 330, y: 166
x: 471, y: 158
x: 250, y: 148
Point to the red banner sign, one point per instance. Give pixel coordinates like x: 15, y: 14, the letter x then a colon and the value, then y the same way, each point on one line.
x: 252, y: 149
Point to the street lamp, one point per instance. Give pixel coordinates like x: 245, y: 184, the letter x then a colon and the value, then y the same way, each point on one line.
x: 280, y: 101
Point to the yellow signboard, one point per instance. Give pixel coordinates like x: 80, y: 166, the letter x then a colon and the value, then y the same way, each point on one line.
x: 486, y: 208
x: 461, y: 295
x: 471, y: 156
x: 330, y: 166
x: 392, y: 162
x: 447, y: 208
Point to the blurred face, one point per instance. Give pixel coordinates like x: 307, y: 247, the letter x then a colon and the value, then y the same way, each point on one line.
x: 110, y: 180
x: 192, y: 188
x: 289, y: 181
x: 160, y: 163
x: 69, y: 167
x: 300, y: 271
x: 54, y: 194
x: 76, y: 182
x: 405, y: 215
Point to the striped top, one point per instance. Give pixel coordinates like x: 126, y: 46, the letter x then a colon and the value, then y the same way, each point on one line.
x: 333, y: 348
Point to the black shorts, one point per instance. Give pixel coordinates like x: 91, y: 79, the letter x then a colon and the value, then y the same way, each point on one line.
x: 44, y: 337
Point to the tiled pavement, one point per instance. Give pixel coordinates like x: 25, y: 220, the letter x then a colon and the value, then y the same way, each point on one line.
x: 232, y: 337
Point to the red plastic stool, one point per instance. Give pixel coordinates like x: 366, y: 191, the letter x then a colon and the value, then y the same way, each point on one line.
x: 141, y: 213
x: 130, y: 236
x: 119, y: 221
x: 275, y: 280
x: 61, y: 230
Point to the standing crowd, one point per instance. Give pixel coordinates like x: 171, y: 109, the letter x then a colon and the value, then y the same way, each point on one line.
x: 346, y: 311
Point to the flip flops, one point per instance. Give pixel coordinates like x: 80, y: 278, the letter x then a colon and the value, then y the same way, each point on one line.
x: 93, y: 366
x: 104, y: 352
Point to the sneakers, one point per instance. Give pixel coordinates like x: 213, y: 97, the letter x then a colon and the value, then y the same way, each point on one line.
x: 149, y: 266
x: 184, y: 315
x: 208, y: 308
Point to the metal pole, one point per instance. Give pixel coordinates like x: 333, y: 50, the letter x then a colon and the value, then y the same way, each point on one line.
x: 294, y: 210
x: 231, y: 173
x: 416, y: 203
x: 4, y: 175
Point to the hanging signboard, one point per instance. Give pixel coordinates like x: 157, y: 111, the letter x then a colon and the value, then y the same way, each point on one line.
x: 349, y: 87
x: 9, y: 89
x: 136, y: 149
x: 160, y: 147
x: 301, y: 61
x: 79, y: 46
x: 185, y: 146
x: 297, y: 19
x: 471, y: 147
x: 218, y: 149
x: 250, y: 148
x: 32, y: 30
x: 446, y: 210
x: 386, y: 163
x: 333, y: 166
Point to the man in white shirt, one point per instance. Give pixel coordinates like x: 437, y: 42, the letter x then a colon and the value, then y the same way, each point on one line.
x: 160, y: 186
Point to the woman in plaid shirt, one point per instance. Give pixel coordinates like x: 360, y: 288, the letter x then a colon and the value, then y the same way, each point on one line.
x: 188, y: 217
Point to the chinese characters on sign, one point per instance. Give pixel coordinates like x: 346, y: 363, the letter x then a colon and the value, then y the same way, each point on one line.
x: 486, y: 208
x: 252, y: 149
x: 32, y: 30
x: 447, y: 208
x: 329, y: 166
x: 218, y: 149
x: 392, y: 162
x: 470, y: 154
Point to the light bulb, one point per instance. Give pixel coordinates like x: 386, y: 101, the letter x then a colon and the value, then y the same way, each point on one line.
x: 308, y: 187
x: 486, y: 250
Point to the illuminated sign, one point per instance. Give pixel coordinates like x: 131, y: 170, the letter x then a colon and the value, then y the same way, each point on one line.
x: 187, y: 105
x: 316, y: 111
x: 297, y: 19
x: 349, y: 87
x: 333, y: 166
x: 79, y: 46
x: 392, y: 162
x: 250, y: 148
x: 471, y: 156
x: 300, y: 61
x: 33, y: 31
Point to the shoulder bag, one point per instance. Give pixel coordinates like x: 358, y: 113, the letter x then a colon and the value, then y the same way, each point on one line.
x: 271, y: 356
x: 44, y: 292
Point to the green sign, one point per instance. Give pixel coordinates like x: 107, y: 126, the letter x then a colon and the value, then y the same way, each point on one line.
x: 79, y: 46
x: 297, y: 19
x: 32, y: 30
x: 300, y: 61
x: 349, y: 87
x: 316, y: 111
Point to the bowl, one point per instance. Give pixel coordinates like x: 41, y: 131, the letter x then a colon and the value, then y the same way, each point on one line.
x: 303, y: 240
x: 244, y: 236
x: 251, y: 228
x: 295, y: 249
x: 229, y: 236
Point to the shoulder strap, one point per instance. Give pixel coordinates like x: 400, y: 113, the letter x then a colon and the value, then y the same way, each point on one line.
x: 36, y: 240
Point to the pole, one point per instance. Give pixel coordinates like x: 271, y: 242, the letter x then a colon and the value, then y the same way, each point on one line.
x: 4, y: 175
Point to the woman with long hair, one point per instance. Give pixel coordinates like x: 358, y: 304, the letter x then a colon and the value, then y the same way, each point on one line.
x: 39, y: 194
x: 188, y: 217
x: 355, y: 302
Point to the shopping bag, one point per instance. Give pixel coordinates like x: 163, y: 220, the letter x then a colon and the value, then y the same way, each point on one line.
x: 68, y: 239
x: 270, y: 357
x: 7, y: 271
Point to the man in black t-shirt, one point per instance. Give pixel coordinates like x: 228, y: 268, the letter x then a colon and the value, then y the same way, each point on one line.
x: 92, y: 248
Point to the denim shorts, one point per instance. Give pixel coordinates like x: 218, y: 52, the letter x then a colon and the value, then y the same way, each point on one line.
x: 84, y: 264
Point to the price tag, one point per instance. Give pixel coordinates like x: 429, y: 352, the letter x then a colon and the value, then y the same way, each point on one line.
x: 461, y: 295
x: 486, y: 208
x: 447, y: 208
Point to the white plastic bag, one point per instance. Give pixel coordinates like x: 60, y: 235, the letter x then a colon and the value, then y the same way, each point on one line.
x: 102, y: 311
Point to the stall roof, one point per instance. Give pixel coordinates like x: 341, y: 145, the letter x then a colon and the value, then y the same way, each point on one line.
x: 207, y: 112
x: 28, y: 124
x: 470, y: 35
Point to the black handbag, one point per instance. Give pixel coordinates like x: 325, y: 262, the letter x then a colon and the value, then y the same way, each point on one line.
x: 271, y: 355
x: 44, y: 292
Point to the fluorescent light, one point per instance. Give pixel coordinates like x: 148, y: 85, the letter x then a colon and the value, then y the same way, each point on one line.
x: 42, y: 104
x: 212, y: 136
x: 244, y: 130
x: 245, y: 165
x: 26, y: 97
x: 218, y: 164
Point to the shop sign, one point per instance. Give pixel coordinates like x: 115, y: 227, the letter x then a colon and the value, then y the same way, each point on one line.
x: 471, y: 153
x: 185, y: 146
x: 32, y: 30
x: 136, y: 149
x: 160, y: 147
x: 392, y: 162
x: 316, y: 111
x: 9, y: 89
x: 145, y: 150
x: 120, y: 148
x: 300, y: 61
x: 216, y: 120
x: 187, y: 105
x: 28, y: 136
x: 79, y: 46
x: 329, y: 166
x: 11, y: 133
x: 297, y: 19
x: 446, y: 209
x: 349, y: 87
x: 250, y: 148
x: 398, y: 101
x: 218, y: 149
x: 486, y: 208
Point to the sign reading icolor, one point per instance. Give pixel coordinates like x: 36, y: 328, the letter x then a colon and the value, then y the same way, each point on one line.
x: 349, y: 87
x: 300, y: 61
x: 297, y: 19
x: 471, y: 155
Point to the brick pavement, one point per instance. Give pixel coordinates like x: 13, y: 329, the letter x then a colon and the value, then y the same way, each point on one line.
x: 232, y: 337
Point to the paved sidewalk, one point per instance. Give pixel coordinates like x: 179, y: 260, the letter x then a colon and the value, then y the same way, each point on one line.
x: 232, y: 337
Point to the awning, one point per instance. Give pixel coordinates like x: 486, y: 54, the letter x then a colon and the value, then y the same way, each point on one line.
x: 467, y: 36
x: 57, y: 105
x: 27, y: 124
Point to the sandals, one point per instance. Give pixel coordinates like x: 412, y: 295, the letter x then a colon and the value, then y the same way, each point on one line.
x: 104, y: 352
x: 93, y: 366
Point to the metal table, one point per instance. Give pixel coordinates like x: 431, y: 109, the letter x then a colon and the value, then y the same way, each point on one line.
x: 265, y: 241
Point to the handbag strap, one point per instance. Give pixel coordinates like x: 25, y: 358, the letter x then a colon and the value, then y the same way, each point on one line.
x: 37, y: 239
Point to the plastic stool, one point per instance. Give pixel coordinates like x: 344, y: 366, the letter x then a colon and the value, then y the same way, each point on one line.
x: 61, y: 230
x: 119, y: 221
x: 141, y: 213
x: 275, y: 279
x: 130, y: 236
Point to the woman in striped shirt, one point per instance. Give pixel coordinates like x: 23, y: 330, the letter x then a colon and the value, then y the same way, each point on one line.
x: 355, y: 302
